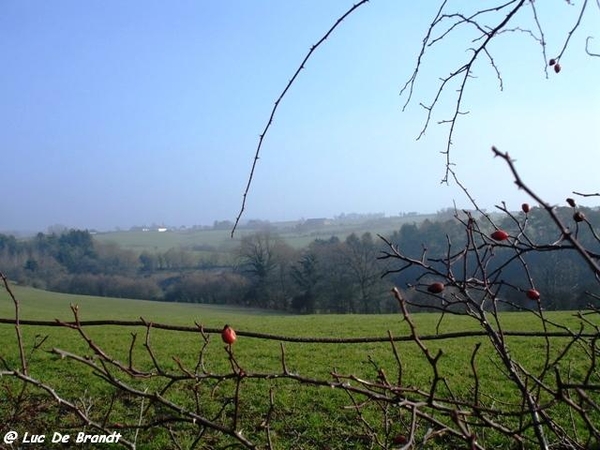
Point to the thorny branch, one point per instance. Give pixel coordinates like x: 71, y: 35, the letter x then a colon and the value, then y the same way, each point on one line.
x: 477, y: 294
x: 275, y: 337
x: 16, y: 322
x: 446, y: 24
x: 566, y: 233
x: 443, y: 26
x: 278, y: 101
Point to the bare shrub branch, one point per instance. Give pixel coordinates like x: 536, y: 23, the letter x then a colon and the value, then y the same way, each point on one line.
x: 278, y: 101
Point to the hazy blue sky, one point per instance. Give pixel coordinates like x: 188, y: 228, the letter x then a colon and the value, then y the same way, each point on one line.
x: 115, y: 113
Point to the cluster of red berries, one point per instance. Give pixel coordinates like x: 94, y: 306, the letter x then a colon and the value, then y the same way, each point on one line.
x: 501, y: 235
x: 498, y: 235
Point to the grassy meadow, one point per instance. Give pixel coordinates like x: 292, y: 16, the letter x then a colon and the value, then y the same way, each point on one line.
x: 303, y: 416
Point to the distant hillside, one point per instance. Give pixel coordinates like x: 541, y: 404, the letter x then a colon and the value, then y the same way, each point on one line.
x: 298, y: 233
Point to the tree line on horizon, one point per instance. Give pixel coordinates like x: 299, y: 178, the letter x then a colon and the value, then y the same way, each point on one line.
x: 327, y: 276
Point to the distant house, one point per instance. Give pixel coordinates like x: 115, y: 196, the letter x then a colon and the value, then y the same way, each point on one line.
x: 161, y: 229
x: 313, y: 224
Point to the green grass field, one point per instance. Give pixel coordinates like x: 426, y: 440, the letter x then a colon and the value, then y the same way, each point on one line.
x: 303, y: 415
x: 155, y: 241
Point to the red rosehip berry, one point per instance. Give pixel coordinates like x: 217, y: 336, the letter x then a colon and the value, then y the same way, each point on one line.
x: 557, y: 67
x: 399, y: 439
x: 525, y: 207
x: 578, y: 216
x: 552, y: 62
x: 533, y: 294
x: 436, y: 288
x: 571, y: 202
x: 499, y: 235
x: 228, y: 335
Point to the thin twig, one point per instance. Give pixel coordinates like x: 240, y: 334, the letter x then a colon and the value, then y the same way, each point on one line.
x: 278, y: 101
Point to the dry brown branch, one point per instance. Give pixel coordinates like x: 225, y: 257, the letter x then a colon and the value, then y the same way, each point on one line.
x: 595, y: 194
x: 283, y: 338
x: 278, y: 101
x: 573, y: 30
x: 565, y: 232
x: 445, y: 24
x: 462, y: 73
x: 16, y: 323
x: 477, y: 294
